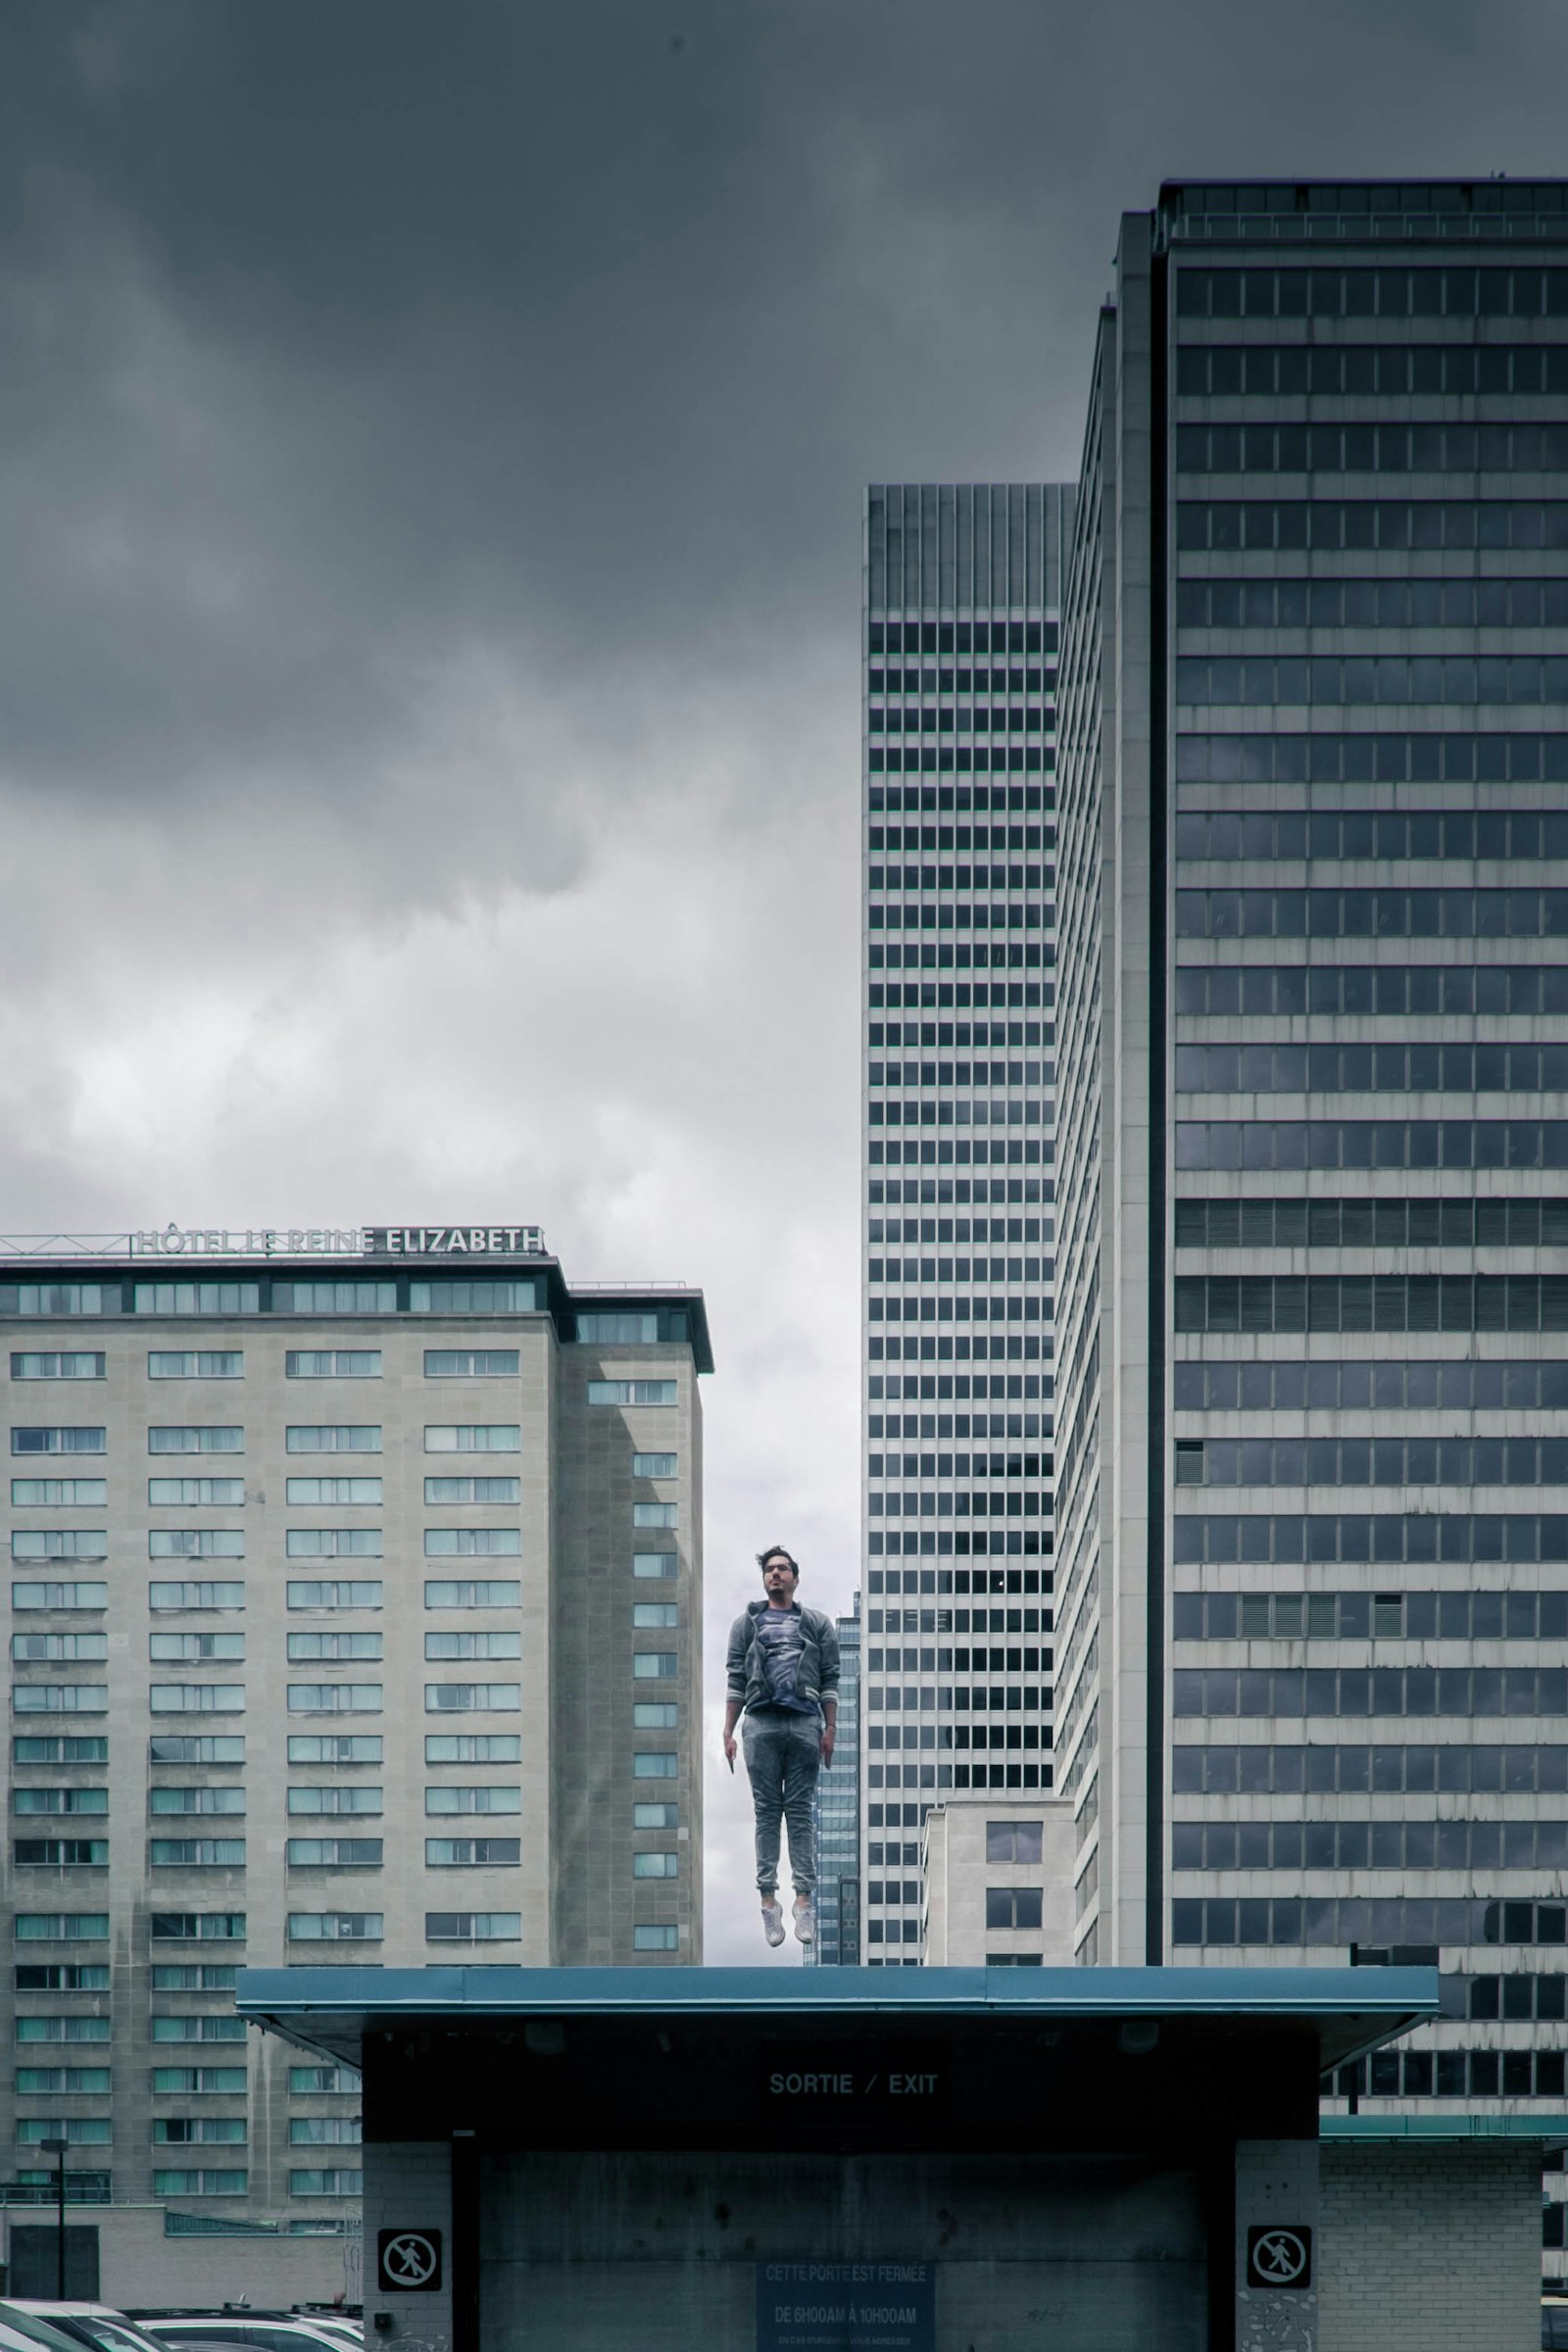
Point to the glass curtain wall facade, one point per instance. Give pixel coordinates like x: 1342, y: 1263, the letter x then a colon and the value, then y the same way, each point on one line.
x: 960, y: 648
x: 355, y: 1615
x: 838, y: 1819
x: 1312, y: 1503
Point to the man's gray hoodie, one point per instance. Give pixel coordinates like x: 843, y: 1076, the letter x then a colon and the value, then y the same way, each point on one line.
x: 816, y: 1672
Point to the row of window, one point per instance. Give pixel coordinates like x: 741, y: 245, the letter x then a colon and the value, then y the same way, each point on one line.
x: 1229, y: 370
x: 994, y: 1074
x: 1465, y: 833
x: 974, y: 718
x: 961, y: 1660
x: 299, y: 1363
x: 1289, y: 1770
x: 303, y: 1747
x: 301, y: 1698
x: 963, y: 681
x: 1372, y: 603
x: 360, y: 1593
x: 1366, y: 1303
x: 1367, y: 759
x: 194, y: 1649
x: 1457, y: 1691
x: 1372, y: 1462
x: 512, y: 1297
x: 965, y: 636
x: 1333, y: 680
x: 1292, y: 525
x: 1455, y: 2074
x: 1363, y: 1536
x: 1399, y: 1068
x: 302, y: 1543
x: 961, y: 1735
x: 1295, y: 1144
x: 1370, y: 914
x: 1370, y: 1845
x: 333, y: 1436
x: 1359, y: 1919
x: 1274, y: 447
x: 947, y: 1621
x: 1456, y: 291
x: 166, y: 1493
x: 228, y: 1853
x: 1481, y: 1616
x: 1362, y: 1223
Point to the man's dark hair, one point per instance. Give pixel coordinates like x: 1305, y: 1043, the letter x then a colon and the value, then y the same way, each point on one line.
x: 776, y: 1551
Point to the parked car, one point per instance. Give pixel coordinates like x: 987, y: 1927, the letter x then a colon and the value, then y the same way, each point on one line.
x: 96, y: 2325
x: 21, y: 2331
x: 258, y: 2331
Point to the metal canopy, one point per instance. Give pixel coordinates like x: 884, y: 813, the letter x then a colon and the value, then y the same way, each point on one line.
x: 329, y: 2010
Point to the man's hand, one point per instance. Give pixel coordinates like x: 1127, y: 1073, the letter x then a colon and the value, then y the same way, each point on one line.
x: 729, y: 1749
x: 828, y: 1745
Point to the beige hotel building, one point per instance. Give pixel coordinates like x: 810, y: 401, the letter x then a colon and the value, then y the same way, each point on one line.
x: 356, y: 1614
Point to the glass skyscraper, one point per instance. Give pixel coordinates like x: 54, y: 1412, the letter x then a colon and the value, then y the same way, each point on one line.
x: 838, y: 1819
x: 1312, y: 1138
x: 959, y: 647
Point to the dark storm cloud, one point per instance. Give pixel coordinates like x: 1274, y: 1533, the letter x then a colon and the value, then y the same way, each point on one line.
x: 341, y: 341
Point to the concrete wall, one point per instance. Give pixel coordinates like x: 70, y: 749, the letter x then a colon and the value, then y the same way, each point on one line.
x: 138, y: 2265
x: 409, y: 2186
x: 1430, y: 2249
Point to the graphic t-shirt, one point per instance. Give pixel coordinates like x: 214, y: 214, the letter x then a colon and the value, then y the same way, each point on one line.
x: 780, y: 1635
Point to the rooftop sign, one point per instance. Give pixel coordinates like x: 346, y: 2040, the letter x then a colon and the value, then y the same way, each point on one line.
x: 285, y: 1241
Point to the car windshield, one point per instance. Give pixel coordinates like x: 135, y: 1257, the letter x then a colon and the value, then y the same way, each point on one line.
x: 22, y: 2330
x: 115, y: 2335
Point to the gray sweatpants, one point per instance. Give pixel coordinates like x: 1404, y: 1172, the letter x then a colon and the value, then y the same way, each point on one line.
x: 783, y: 1754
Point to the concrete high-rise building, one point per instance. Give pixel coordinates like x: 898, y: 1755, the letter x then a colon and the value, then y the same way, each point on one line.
x: 1312, y: 1132
x: 963, y: 587
x: 355, y: 1611
x: 838, y: 1818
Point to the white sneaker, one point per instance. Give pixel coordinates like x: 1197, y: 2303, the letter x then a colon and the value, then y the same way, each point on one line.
x: 804, y: 1920
x: 774, y: 1922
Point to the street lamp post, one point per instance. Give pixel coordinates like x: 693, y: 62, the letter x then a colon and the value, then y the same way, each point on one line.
x: 57, y: 2149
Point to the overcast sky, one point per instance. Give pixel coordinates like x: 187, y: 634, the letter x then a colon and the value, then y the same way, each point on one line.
x: 431, y: 449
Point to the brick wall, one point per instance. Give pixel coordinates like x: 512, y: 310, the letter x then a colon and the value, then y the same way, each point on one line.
x: 1430, y: 2249
x: 408, y: 2185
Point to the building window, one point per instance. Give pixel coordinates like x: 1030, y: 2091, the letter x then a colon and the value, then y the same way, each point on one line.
x: 62, y: 1493
x: 334, y: 1698
x: 58, y: 1543
x: 655, y: 1563
x: 335, y: 1647
x: 474, y: 1436
x: 655, y: 1817
x: 333, y: 1542
x: 494, y: 1698
x: 335, y: 1748
x: 474, y: 1297
x: 625, y: 1330
x: 472, y: 1853
x: 197, y: 1297
x: 74, y: 1439
x: 500, y: 1642
x: 474, y: 1927
x: 655, y: 1665
x: 1014, y: 1906
x: 350, y: 1593
x: 648, y: 1764
x: 471, y: 1593
x: 333, y: 1853
x: 479, y: 1798
x: 333, y: 1436
x: 195, y: 1438
x: 196, y: 1543
x: 165, y: 1491
x: 654, y: 1613
x: 473, y: 1747
x: 58, y: 1363
x: 471, y: 1363
x: 472, y: 1543
x: 58, y: 1298
x: 655, y: 1940
x: 471, y: 1489
x: 656, y: 1866
x: 189, y: 1594
x: 656, y: 1514
x: 334, y: 1927
x: 205, y: 2183
x: 330, y: 2180
x: 656, y: 1715
x: 335, y: 1297
x: 334, y: 1798
x: 652, y: 1466
x: 195, y: 1363
x: 333, y: 1364
x: 632, y: 1391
